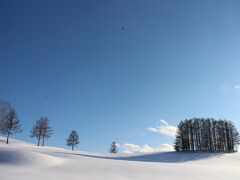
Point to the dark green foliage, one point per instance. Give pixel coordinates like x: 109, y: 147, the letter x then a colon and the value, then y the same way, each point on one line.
x: 73, y: 139
x: 212, y: 135
x: 113, y: 148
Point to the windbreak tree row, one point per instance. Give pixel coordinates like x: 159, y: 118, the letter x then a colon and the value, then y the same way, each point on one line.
x: 199, y: 134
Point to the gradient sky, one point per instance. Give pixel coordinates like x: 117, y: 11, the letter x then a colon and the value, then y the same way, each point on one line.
x: 71, y: 61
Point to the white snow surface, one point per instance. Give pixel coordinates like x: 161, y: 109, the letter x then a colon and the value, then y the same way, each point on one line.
x: 23, y: 161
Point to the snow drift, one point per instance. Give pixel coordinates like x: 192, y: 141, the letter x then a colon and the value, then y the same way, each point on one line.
x: 23, y: 161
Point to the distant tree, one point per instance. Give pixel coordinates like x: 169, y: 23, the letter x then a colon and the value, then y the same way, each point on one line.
x: 178, y: 141
x: 47, y: 130
x: 36, y: 131
x: 234, y: 138
x: 11, y: 124
x: 73, y: 139
x: 5, y: 108
x: 113, y: 148
x: 41, y: 130
x: 212, y: 135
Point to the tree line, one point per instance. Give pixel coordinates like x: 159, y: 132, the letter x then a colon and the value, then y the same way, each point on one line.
x: 10, y: 124
x: 206, y: 134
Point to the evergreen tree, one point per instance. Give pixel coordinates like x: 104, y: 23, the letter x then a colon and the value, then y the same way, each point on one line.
x: 113, y: 149
x: 73, y: 139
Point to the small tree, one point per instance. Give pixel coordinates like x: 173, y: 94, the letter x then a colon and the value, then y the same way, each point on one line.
x: 11, y: 124
x: 5, y: 108
x: 73, y: 139
x: 177, y: 144
x: 47, y: 130
x: 113, y: 149
x: 41, y: 130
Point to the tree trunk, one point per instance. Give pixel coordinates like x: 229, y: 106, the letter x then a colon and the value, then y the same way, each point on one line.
x: 38, y: 140
x: 8, y: 137
x: 43, y: 142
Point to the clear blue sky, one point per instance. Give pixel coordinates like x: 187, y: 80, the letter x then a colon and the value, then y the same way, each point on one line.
x: 71, y: 61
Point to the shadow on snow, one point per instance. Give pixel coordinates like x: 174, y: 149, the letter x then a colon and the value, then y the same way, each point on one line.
x: 163, y: 157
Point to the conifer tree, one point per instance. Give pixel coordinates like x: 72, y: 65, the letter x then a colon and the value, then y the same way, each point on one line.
x: 73, y: 139
x: 113, y: 149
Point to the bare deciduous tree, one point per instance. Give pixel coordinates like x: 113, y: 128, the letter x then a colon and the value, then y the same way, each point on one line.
x: 41, y: 130
x: 5, y: 108
x: 11, y: 124
x: 199, y: 134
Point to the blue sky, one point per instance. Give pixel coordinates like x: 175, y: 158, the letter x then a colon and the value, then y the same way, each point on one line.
x: 71, y: 61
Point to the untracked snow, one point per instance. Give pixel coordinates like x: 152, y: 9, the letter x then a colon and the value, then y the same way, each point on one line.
x: 23, y: 161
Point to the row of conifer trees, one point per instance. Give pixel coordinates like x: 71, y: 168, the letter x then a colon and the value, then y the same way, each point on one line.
x: 199, y: 134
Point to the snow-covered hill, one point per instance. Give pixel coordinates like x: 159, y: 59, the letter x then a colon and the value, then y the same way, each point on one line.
x: 23, y: 161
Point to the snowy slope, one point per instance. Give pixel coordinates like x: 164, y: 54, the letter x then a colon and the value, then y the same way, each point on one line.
x: 23, y: 161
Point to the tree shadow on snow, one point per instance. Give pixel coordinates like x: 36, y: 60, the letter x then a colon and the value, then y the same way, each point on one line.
x: 10, y: 157
x: 172, y: 157
x: 163, y: 157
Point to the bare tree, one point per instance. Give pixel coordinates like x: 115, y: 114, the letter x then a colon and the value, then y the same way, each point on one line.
x: 11, y: 124
x: 41, y: 130
x: 113, y: 148
x: 47, y: 130
x: 37, y: 131
x: 73, y: 139
x: 5, y: 108
x: 199, y: 134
